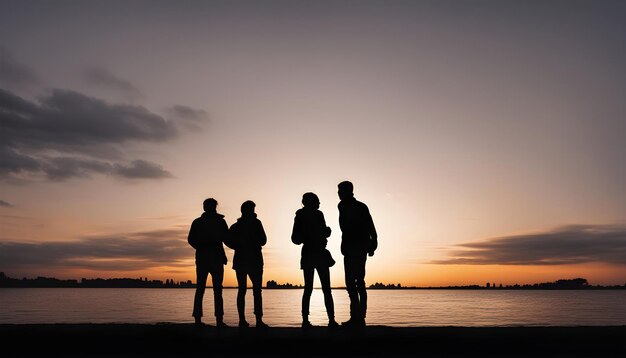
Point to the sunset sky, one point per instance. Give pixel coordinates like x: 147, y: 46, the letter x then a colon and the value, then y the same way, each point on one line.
x: 486, y: 137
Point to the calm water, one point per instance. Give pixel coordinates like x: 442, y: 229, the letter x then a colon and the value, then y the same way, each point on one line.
x: 282, y: 307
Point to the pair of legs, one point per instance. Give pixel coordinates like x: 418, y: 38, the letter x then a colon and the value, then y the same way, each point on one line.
x: 217, y: 277
x: 354, y: 267
x: 256, y: 276
x: 324, y: 275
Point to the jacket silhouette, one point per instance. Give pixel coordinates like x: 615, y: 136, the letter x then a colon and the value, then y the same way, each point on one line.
x: 358, y: 240
x: 357, y: 227
x: 247, y: 238
x: 206, y: 235
x: 310, y: 231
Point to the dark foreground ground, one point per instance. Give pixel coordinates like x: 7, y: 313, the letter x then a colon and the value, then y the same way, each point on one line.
x: 185, y: 340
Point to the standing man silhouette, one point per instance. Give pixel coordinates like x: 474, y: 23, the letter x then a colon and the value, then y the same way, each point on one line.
x: 206, y: 235
x: 247, y: 238
x: 358, y: 240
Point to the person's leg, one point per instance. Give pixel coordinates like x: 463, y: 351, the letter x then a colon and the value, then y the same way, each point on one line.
x: 217, y: 277
x: 350, y: 274
x: 360, y: 285
x: 256, y: 276
x: 242, y: 283
x: 324, y: 274
x: 306, y: 296
x: 201, y: 276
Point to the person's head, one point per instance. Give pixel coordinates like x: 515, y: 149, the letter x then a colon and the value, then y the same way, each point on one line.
x: 346, y: 190
x: 210, y: 205
x: 247, y: 208
x: 310, y: 200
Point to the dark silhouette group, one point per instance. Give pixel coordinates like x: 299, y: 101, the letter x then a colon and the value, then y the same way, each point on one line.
x: 209, y: 233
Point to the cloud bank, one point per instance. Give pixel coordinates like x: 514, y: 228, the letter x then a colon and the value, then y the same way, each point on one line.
x: 132, y: 252
x: 67, y: 134
x: 575, y: 244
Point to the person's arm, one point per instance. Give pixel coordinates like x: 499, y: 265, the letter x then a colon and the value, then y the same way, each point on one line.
x: 261, y: 235
x: 296, y: 232
x: 231, y: 239
x: 224, y: 232
x: 325, y: 229
x: 342, y: 220
x: 372, y: 232
x: 224, y: 237
x: 192, y: 238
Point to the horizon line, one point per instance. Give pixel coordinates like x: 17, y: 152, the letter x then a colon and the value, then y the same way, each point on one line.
x: 170, y: 283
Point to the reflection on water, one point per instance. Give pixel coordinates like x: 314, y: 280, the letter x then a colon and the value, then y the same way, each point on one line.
x: 282, y: 307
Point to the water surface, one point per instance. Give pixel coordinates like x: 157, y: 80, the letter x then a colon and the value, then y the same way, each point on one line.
x: 400, y: 308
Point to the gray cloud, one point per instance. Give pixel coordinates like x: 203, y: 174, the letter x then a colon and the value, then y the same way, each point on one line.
x: 566, y: 245
x: 13, y: 73
x: 141, y: 169
x: 61, y: 168
x: 67, y: 134
x: 136, y: 251
x: 103, y: 77
x: 5, y: 204
x: 191, y: 118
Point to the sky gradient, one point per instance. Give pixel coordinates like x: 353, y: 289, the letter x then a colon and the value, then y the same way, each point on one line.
x: 486, y: 137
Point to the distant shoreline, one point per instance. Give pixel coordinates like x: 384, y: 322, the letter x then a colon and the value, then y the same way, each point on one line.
x: 51, y: 282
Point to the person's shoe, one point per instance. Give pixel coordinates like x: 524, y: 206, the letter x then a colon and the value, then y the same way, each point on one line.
x: 221, y: 324
x: 198, y: 322
x: 261, y: 325
x: 333, y: 324
x: 243, y: 323
x: 348, y: 323
x: 306, y: 324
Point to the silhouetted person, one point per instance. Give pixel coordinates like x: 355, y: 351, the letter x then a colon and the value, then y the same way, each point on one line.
x: 358, y: 240
x: 206, y: 235
x: 247, y: 238
x: 310, y: 230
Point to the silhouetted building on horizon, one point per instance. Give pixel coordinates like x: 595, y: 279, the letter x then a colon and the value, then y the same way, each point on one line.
x: 273, y: 285
x: 379, y: 285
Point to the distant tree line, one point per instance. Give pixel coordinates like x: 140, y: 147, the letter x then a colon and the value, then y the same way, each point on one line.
x: 143, y: 282
x: 45, y: 282
x: 563, y: 284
